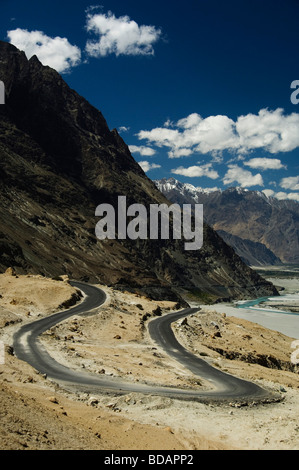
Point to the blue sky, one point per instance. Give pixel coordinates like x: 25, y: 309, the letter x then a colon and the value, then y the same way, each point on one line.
x: 199, y: 90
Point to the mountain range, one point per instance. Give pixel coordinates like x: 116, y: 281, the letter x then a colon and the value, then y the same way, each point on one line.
x: 58, y: 161
x: 262, y: 230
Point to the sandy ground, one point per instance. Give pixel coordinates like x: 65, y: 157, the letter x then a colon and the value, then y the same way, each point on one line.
x: 39, y: 414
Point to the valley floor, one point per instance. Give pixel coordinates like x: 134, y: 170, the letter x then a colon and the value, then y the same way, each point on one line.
x: 39, y: 414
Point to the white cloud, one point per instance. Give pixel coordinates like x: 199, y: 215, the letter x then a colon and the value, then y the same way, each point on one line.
x: 208, y: 190
x: 268, y: 192
x: 291, y: 196
x: 291, y: 182
x: 142, y: 150
x: 199, y: 135
x: 119, y: 36
x: 217, y: 158
x: 123, y: 129
x: 196, y: 170
x: 265, y: 163
x: 169, y: 123
x: 268, y: 130
x: 281, y: 195
x: 56, y: 52
x: 147, y: 166
x: 237, y: 158
x: 271, y: 130
x: 162, y: 137
x: 244, y: 178
x: 178, y: 153
x: 190, y: 121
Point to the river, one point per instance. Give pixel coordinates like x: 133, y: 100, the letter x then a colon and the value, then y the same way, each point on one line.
x: 285, y: 322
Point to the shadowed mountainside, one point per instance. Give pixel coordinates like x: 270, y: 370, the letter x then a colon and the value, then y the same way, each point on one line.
x: 59, y: 160
x: 262, y: 230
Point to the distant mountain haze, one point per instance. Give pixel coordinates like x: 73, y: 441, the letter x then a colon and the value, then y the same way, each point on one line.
x: 263, y: 230
x: 58, y: 162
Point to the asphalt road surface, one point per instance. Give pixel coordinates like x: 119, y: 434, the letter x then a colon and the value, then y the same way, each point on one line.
x: 28, y: 348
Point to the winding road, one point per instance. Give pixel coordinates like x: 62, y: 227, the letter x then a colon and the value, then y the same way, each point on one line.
x: 28, y: 348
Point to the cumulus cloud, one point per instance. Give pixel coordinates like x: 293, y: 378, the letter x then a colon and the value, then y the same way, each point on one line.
x: 119, y: 36
x: 243, y: 177
x: 178, y: 153
x: 162, y: 137
x: 237, y: 158
x: 123, y: 129
x: 55, y: 52
x: 290, y: 196
x: 291, y: 182
x: 194, y: 134
x: 142, y: 150
x: 196, y: 170
x: 147, y: 166
x: 265, y: 163
x: 281, y: 195
x: 272, y: 131
x: 268, y: 192
x: 208, y: 190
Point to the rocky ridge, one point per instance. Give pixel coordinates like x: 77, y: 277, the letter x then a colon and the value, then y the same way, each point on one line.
x: 262, y: 230
x: 59, y: 161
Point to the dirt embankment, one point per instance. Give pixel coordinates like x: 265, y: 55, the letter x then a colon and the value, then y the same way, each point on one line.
x: 240, y: 347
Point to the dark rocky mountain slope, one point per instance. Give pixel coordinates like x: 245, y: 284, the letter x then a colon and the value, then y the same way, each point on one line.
x: 58, y: 161
x: 261, y: 229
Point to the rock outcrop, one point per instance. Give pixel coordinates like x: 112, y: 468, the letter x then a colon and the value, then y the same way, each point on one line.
x: 58, y: 162
x: 262, y: 230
